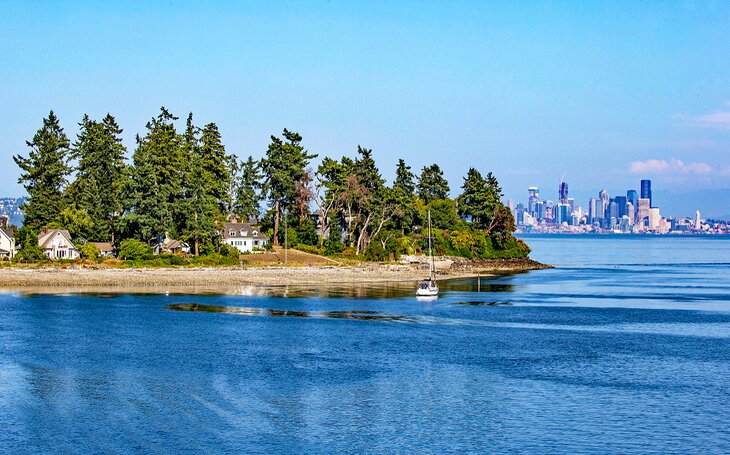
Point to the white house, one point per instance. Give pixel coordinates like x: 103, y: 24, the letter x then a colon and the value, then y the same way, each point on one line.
x: 106, y: 250
x: 243, y: 236
x: 57, y: 244
x: 7, y: 240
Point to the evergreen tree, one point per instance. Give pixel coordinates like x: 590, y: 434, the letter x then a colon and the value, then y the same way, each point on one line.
x: 404, y: 179
x: 216, y: 174
x: 101, y: 175
x: 432, y: 185
x: 247, y: 196
x: 157, y: 179
x: 404, y: 194
x: 44, y: 175
x: 284, y: 165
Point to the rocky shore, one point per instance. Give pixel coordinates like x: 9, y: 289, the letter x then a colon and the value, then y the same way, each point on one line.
x: 174, y: 278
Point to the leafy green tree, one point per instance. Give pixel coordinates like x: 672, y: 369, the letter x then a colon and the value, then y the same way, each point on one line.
x: 329, y: 183
x: 75, y: 220
x: 444, y: 214
x: 44, y: 173
x: 101, y: 175
x: 283, y: 166
x: 132, y: 249
x: 29, y: 248
x: 89, y: 251
x: 432, y: 184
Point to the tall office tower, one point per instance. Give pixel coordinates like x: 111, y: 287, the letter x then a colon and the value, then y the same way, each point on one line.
x: 642, y: 212
x: 654, y: 218
x: 563, y: 215
x: 613, y: 210
x: 511, y: 206
x: 633, y: 197
x: 698, y: 224
x: 563, y: 193
x: 646, y: 191
x: 520, y: 213
x: 540, y: 210
x: 603, y: 209
x: 630, y: 212
x: 533, y: 195
x: 571, y: 204
x: 621, y: 201
x: 592, y: 210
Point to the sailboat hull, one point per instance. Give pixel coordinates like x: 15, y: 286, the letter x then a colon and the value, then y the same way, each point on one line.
x: 429, y: 291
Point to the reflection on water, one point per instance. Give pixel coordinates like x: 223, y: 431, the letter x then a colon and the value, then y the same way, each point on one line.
x: 384, y: 290
x: 362, y: 315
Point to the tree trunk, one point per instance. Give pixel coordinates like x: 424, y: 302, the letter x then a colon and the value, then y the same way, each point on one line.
x: 276, y: 223
x: 196, y: 234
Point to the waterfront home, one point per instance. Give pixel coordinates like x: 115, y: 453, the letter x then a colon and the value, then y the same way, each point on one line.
x: 7, y: 239
x: 57, y: 244
x: 170, y: 246
x: 243, y: 236
x: 106, y: 250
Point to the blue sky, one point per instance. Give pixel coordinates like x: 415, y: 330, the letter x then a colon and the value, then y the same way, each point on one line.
x: 606, y: 93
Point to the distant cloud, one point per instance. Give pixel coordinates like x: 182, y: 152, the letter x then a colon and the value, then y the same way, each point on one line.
x: 672, y: 166
x: 718, y: 119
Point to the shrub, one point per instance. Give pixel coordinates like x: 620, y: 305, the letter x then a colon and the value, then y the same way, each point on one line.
x: 89, y: 251
x: 132, y: 249
x: 229, y: 251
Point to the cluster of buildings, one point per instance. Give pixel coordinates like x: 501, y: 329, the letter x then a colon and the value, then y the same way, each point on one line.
x: 57, y: 243
x: 634, y: 212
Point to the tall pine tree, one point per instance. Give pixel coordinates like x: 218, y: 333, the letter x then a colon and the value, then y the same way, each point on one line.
x: 101, y: 175
x: 44, y: 175
x: 157, y: 179
x: 432, y: 185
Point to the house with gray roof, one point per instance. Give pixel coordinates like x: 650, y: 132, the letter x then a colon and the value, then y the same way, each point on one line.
x: 57, y: 244
x: 243, y: 236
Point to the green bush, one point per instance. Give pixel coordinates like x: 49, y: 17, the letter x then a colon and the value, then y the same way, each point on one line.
x: 229, y: 251
x: 132, y: 249
x: 89, y: 251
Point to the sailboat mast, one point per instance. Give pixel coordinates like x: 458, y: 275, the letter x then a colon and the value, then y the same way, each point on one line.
x: 430, y: 252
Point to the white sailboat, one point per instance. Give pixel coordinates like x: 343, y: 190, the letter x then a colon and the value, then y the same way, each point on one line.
x: 429, y: 287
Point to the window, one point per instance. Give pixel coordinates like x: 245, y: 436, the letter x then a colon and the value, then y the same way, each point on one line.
x: 244, y: 242
x: 255, y: 233
x: 256, y: 243
x: 231, y: 233
x: 244, y: 233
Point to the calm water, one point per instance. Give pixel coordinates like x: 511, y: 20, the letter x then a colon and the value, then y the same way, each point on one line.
x: 625, y: 347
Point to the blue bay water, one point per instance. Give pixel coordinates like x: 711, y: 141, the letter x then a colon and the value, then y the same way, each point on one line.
x: 623, y: 347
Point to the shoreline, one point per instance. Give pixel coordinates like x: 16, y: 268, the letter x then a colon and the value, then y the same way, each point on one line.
x: 215, y: 277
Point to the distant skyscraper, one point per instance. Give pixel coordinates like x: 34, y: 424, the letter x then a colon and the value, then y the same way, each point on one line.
x: 533, y: 196
x: 646, y: 191
x: 603, y: 209
x: 563, y: 193
x: 633, y: 197
x: 621, y: 202
x: 698, y: 223
x: 592, y: 210
x: 642, y: 212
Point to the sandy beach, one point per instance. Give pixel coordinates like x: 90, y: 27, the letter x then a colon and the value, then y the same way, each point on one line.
x: 53, y: 277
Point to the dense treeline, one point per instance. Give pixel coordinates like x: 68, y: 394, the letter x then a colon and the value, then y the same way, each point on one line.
x: 184, y: 183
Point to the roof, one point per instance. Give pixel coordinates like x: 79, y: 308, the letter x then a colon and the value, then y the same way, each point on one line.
x: 4, y: 251
x: 173, y: 244
x: 7, y: 232
x: 47, y: 234
x: 246, y: 227
x: 103, y: 247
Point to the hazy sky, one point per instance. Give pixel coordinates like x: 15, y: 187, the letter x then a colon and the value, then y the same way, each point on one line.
x: 606, y: 93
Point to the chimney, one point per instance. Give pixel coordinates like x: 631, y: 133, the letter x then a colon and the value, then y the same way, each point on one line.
x: 4, y: 221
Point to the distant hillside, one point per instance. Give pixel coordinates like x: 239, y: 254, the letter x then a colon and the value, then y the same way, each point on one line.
x: 11, y: 206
